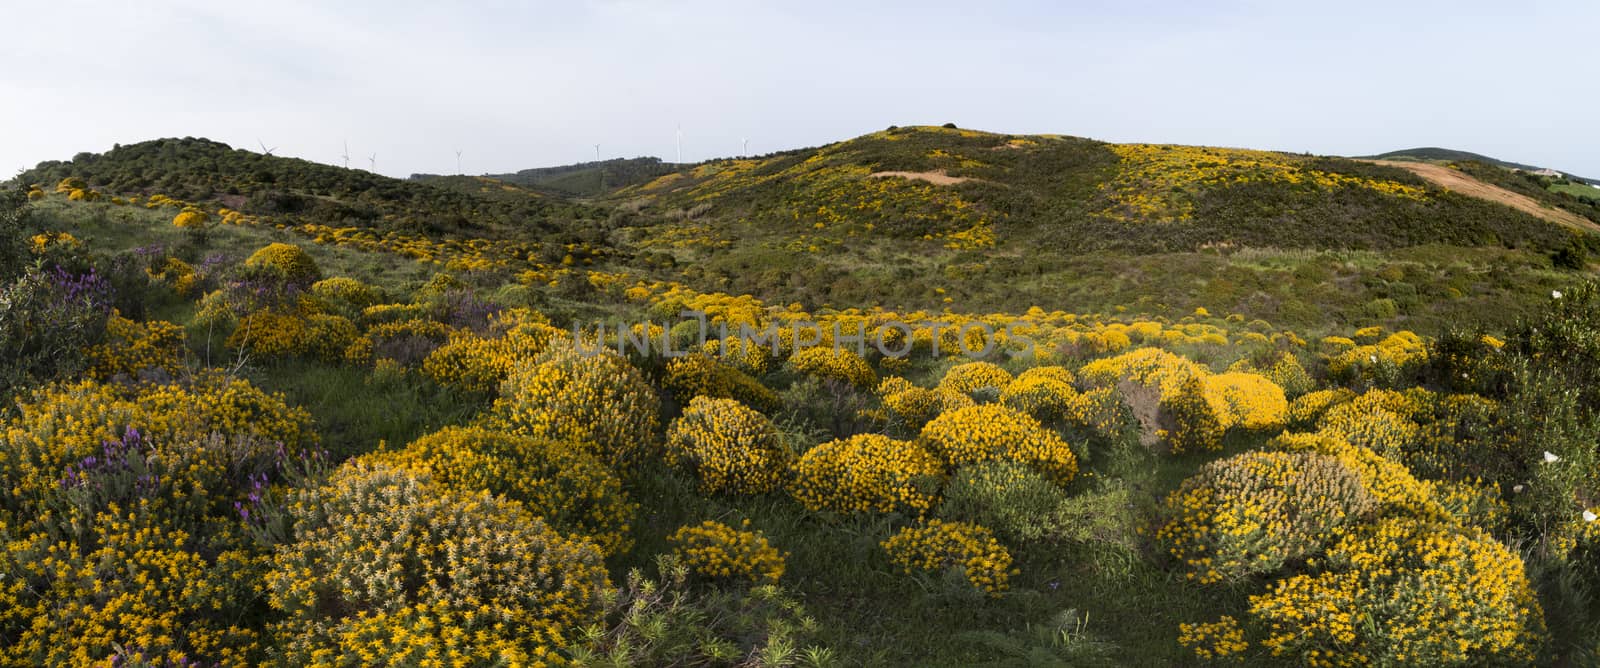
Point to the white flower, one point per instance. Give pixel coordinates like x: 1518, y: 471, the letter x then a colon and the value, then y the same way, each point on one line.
x: 1550, y: 457
x: 1589, y: 516
x: 1516, y: 488
x: 1555, y: 294
x: 1374, y: 359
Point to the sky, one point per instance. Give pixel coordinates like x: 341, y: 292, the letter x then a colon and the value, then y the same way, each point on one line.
x: 514, y: 85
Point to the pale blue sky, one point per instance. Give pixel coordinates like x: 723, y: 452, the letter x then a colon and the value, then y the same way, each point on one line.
x: 517, y: 85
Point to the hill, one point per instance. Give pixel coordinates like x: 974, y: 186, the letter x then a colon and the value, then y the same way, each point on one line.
x: 300, y: 193
x: 1435, y: 154
x: 915, y: 218
x: 587, y: 179
x: 927, y: 216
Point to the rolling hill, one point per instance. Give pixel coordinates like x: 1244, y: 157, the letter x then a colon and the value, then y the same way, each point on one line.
x: 1435, y: 154
x: 586, y: 179
x: 920, y: 217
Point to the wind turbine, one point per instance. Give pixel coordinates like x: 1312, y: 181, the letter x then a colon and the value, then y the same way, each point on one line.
x: 346, y: 155
x: 597, y: 153
x: 680, y: 143
x: 373, y: 161
x: 746, y: 152
x: 264, y: 148
x: 458, y: 162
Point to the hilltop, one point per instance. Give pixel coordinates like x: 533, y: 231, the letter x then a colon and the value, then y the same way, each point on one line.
x: 1436, y: 154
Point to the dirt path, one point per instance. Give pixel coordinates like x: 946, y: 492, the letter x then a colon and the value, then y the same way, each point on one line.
x: 1451, y: 179
x: 938, y: 178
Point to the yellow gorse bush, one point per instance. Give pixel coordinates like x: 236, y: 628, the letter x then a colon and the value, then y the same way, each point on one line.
x: 1252, y: 513
x: 1405, y: 592
x: 729, y: 447
x: 913, y: 406
x: 381, y: 553
x: 288, y: 261
x: 835, y: 364
x: 1247, y: 400
x: 699, y: 375
x: 938, y: 545
x: 974, y: 376
x: 867, y: 473
x: 717, y: 551
x: 478, y: 365
x: 562, y: 483
x: 991, y: 432
x: 191, y: 218
x: 135, y: 349
x: 1046, y: 393
x: 597, y: 399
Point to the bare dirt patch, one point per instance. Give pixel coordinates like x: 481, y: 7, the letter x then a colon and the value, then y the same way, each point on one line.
x: 938, y: 178
x: 1453, y: 180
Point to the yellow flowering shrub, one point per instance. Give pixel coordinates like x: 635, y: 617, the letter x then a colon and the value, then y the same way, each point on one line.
x: 1305, y: 410
x: 136, y: 349
x: 913, y: 406
x: 867, y: 473
x: 1287, y: 372
x: 57, y: 425
x: 45, y: 242
x: 1389, y: 483
x: 597, y: 399
x: 1400, y: 350
x: 287, y: 261
x: 992, y: 432
x: 717, y: 551
x: 177, y: 274
x: 385, y: 567
x: 1151, y: 367
x: 1379, y: 420
x: 275, y: 333
x: 348, y: 295
x: 1189, y: 419
x: 1405, y: 592
x: 938, y: 545
x: 191, y: 218
x: 568, y: 487
x: 270, y: 333
x: 1045, y: 396
x: 385, y: 313
x: 477, y: 365
x: 742, y: 354
x: 835, y: 364
x: 1252, y: 513
x: 1246, y: 400
x: 1100, y: 410
x: 699, y: 375
x: 408, y: 341
x: 1187, y: 414
x: 729, y: 447
x: 974, y: 376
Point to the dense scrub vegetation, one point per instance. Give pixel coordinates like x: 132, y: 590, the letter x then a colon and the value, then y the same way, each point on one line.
x: 245, y: 436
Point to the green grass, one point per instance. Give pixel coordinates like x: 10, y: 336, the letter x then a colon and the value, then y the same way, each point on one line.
x: 1577, y: 190
x: 355, y: 411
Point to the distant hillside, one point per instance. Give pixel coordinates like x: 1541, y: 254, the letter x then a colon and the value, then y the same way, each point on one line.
x: 202, y: 170
x: 587, y: 179
x: 1435, y: 154
x: 961, y: 189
